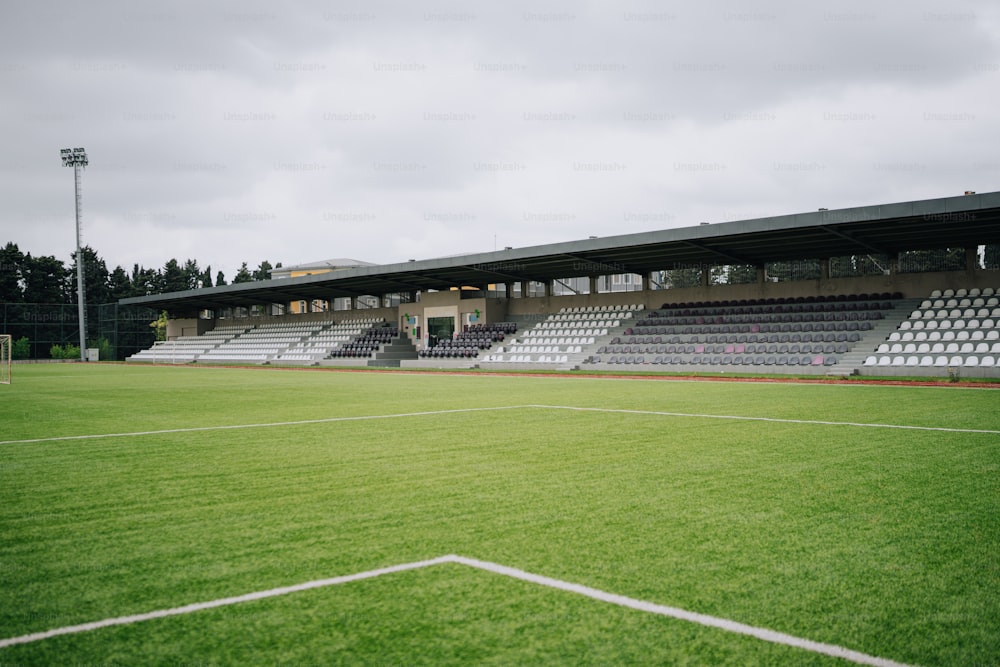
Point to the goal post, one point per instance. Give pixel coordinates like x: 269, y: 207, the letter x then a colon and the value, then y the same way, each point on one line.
x: 6, y: 354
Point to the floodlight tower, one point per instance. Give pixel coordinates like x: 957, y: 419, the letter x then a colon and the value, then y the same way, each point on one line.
x: 76, y: 158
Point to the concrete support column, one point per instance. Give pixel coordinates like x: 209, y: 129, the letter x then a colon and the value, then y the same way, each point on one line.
x: 645, y: 282
x: 524, y: 288
x: 971, y: 259
x: 824, y: 268
x: 761, y: 274
x: 706, y: 275
x: 593, y: 284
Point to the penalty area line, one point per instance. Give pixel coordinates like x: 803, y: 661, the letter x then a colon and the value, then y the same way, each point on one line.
x: 221, y: 602
x: 300, y: 422
x: 727, y: 625
x: 736, y: 627
x: 777, y: 420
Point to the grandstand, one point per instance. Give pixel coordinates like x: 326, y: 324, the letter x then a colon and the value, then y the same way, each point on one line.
x: 722, y: 298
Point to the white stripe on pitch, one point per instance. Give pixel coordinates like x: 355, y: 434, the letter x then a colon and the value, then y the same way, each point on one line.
x: 816, y: 422
x: 221, y: 602
x: 611, y: 598
x: 300, y: 422
x: 684, y: 615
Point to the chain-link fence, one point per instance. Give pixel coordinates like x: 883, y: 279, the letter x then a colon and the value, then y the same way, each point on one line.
x: 117, y: 331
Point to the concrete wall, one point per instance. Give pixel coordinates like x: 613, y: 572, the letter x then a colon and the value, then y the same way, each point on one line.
x: 188, y: 326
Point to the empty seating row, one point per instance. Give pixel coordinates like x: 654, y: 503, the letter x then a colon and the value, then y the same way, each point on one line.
x: 754, y: 329
x: 527, y: 358
x: 917, y: 325
x: 555, y: 333
x: 773, y: 348
x: 564, y: 340
x: 959, y: 293
x: 955, y: 313
x: 968, y: 347
x: 561, y: 320
x: 543, y: 349
x: 761, y: 319
x: 808, y: 311
x: 784, y: 337
x: 978, y: 302
x: 945, y: 335
x: 439, y: 352
x: 819, y: 298
x: 723, y: 360
x: 603, y: 309
x: 492, y: 327
x: 581, y: 324
x: 928, y: 360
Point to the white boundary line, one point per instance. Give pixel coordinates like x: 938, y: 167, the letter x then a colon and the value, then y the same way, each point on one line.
x: 682, y: 614
x: 221, y: 602
x: 815, y: 422
x: 194, y: 429
x: 611, y: 598
x: 330, y: 420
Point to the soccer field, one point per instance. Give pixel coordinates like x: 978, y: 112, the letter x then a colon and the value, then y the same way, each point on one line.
x: 401, y: 518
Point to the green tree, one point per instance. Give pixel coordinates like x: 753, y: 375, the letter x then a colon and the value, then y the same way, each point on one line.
x: 243, y: 275
x: 263, y: 271
x: 44, y: 280
x: 685, y: 277
x: 206, y: 276
x: 119, y: 285
x: 173, y: 277
x: 21, y: 349
x: 146, y: 281
x: 11, y: 262
x: 192, y: 274
x: 220, y: 279
x: 95, y: 277
x: 159, y: 326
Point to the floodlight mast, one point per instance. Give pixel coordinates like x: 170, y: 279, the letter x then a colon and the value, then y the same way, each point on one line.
x: 76, y: 158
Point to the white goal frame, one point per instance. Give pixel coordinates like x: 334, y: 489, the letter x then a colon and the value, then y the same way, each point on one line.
x: 6, y: 350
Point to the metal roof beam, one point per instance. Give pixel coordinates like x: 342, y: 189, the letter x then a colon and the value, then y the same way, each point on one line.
x: 733, y: 259
x: 853, y: 239
x: 604, y: 267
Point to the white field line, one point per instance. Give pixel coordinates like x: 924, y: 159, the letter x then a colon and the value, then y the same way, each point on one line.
x: 611, y: 598
x: 815, y: 422
x: 300, y: 422
x: 330, y: 420
x: 221, y: 602
x: 682, y: 614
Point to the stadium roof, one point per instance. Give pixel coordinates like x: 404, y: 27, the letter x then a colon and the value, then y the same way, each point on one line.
x: 966, y: 220
x: 324, y: 265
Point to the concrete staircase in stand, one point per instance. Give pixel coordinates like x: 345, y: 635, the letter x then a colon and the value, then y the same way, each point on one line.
x: 399, y: 348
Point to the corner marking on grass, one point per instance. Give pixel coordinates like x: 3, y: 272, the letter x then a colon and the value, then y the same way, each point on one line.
x: 727, y: 625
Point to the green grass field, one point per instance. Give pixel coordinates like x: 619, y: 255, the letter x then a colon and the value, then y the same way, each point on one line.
x: 799, y: 514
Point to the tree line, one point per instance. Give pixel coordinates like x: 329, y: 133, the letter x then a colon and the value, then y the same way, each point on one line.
x: 46, y: 279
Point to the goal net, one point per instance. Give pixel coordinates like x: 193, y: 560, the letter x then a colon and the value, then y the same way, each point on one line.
x: 6, y: 345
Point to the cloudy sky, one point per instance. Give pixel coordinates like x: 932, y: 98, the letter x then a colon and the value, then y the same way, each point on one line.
x: 389, y: 130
